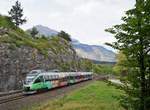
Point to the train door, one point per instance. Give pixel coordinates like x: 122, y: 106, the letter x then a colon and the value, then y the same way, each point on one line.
x: 38, y: 83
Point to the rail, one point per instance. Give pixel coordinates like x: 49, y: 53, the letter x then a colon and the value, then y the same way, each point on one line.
x: 10, y: 93
x: 12, y: 97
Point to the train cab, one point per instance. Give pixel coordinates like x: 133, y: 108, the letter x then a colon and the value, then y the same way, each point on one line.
x: 32, y: 80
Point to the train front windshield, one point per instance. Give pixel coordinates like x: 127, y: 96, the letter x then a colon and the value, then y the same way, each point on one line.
x: 30, y: 78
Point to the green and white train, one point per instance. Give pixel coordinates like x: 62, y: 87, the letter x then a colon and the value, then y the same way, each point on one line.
x: 38, y: 79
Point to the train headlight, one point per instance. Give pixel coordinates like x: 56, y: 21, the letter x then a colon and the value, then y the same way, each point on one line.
x: 26, y: 88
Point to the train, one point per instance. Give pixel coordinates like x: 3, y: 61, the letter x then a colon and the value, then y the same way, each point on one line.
x: 38, y: 80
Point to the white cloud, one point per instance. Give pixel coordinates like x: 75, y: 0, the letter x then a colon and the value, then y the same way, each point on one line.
x: 85, y: 20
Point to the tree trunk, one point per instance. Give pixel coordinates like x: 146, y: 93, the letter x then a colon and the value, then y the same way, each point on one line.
x: 142, y: 87
x: 141, y: 59
x: 142, y: 75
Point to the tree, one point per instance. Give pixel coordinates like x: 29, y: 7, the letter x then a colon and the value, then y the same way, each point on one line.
x: 133, y: 39
x: 86, y: 64
x: 64, y: 35
x: 34, y: 32
x: 16, y: 14
x: 121, y: 67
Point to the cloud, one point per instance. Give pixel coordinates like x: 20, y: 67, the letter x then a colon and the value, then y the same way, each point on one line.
x: 85, y: 20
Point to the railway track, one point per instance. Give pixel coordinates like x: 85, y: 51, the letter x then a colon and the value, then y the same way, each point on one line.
x: 10, y: 93
x: 20, y: 101
x: 6, y: 99
x: 19, y: 95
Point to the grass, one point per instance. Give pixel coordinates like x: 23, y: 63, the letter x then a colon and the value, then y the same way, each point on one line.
x: 96, y: 96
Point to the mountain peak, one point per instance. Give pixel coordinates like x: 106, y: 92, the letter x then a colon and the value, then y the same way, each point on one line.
x: 44, y: 30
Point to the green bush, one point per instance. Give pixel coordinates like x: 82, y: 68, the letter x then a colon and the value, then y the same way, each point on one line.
x: 5, y: 22
x: 103, y: 69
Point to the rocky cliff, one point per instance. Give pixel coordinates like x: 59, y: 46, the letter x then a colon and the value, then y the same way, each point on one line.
x: 16, y: 63
x: 20, y: 53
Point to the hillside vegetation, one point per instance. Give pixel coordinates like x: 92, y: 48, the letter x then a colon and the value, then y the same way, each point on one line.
x: 18, y: 37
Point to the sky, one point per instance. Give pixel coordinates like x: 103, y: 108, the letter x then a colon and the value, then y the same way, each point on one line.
x: 84, y: 20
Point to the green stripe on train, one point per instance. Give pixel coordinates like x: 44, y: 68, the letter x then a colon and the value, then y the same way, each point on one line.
x: 41, y: 85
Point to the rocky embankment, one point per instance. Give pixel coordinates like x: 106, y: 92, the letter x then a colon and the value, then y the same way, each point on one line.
x: 20, y: 54
x: 16, y: 62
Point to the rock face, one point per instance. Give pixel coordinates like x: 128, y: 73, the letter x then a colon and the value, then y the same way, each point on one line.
x: 16, y: 62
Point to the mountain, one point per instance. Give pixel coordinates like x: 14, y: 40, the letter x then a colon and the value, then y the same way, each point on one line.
x: 92, y: 52
x: 43, y: 30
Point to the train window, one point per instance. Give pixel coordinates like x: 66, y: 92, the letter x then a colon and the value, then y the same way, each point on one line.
x: 46, y: 78
x: 49, y: 77
x: 39, y: 79
x: 29, y: 80
x: 56, y: 77
x: 52, y: 77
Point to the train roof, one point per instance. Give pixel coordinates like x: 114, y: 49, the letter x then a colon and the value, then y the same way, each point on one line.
x: 58, y: 74
x: 64, y: 74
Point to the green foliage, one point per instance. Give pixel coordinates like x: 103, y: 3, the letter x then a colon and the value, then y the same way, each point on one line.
x: 5, y: 22
x: 97, y: 69
x: 16, y: 14
x: 81, y: 65
x: 12, y: 46
x: 86, y: 65
x: 64, y: 35
x: 103, y: 69
x: 34, y: 32
x: 95, y: 96
x: 133, y: 40
x: 17, y: 37
x: 65, y: 66
x: 121, y: 67
x: 44, y: 37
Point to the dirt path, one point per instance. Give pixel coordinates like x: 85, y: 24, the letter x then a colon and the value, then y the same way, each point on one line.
x: 36, y: 99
